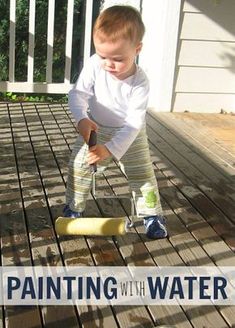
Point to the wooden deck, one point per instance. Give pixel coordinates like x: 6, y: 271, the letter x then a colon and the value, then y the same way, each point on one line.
x: 193, y: 157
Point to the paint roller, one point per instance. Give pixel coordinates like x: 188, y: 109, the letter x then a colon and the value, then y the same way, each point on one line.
x: 95, y: 226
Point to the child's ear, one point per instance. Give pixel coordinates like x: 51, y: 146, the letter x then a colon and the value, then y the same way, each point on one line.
x: 138, y: 48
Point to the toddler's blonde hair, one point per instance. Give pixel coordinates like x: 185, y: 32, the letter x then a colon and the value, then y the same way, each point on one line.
x: 119, y: 22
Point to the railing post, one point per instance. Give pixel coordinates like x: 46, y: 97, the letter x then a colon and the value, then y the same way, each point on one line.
x: 88, y: 29
x: 50, y: 40
x: 69, y: 40
x: 12, y: 40
x: 32, y: 7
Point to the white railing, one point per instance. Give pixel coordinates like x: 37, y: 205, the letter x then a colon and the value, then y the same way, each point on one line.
x: 48, y: 86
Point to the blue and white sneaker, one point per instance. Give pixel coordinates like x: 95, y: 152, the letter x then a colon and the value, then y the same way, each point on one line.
x: 155, y: 227
x: 68, y: 213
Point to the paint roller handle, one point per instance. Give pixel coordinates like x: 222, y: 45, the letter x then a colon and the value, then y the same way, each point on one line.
x: 92, y: 142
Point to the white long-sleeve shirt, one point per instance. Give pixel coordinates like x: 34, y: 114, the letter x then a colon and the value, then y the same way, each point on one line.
x: 111, y: 102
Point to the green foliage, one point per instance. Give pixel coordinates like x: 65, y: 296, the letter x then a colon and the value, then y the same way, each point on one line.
x: 11, y: 97
x: 4, y: 39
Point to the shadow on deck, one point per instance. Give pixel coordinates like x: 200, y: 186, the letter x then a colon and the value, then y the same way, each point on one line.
x: 193, y: 157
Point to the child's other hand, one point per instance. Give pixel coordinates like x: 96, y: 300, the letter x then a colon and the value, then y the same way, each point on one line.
x: 85, y: 126
x: 98, y: 153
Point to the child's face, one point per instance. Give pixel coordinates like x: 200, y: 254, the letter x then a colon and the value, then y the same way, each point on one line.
x: 117, y: 58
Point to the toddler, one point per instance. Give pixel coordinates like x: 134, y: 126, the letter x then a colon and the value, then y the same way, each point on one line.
x: 110, y: 97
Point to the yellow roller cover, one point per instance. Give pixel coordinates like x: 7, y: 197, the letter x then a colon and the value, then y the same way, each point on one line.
x: 91, y: 226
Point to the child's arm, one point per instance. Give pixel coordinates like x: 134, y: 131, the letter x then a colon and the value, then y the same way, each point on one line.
x: 84, y: 127
x: 134, y: 121
x: 98, y: 153
x: 78, y: 99
x: 125, y: 136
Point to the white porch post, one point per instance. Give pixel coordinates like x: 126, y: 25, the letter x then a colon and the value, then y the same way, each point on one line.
x: 161, y: 19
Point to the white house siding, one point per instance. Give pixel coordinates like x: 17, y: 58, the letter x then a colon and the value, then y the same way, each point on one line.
x: 205, y: 66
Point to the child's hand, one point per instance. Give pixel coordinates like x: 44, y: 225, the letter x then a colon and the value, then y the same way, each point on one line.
x: 85, y: 126
x: 97, y: 153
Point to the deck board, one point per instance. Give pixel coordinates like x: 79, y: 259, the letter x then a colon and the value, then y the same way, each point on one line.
x: 190, y: 253
x: 43, y: 243
x: 15, y: 248
x: 207, y: 182
x: 96, y: 245
x: 105, y: 252
x: 186, y: 188
x: 202, y: 140
x: 54, y: 188
x: 196, y: 179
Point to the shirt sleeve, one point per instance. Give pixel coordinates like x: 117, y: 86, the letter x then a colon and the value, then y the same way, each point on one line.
x: 82, y: 90
x: 134, y: 121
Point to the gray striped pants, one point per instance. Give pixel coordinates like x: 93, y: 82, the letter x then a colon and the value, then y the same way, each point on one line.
x: 136, y: 163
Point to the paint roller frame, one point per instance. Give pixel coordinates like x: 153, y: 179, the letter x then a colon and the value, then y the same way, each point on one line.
x: 96, y: 226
